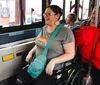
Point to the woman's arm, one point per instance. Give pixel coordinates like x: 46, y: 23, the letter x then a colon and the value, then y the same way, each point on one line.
x: 30, y: 54
x: 69, y: 50
x: 68, y: 55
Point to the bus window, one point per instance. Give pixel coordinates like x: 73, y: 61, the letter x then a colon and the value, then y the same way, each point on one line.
x: 9, y: 13
x: 69, y: 6
x: 83, y: 9
x: 33, y: 11
x: 55, y: 2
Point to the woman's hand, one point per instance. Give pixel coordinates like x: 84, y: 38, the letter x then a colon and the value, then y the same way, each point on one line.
x: 30, y: 54
x: 29, y: 57
x: 50, y: 67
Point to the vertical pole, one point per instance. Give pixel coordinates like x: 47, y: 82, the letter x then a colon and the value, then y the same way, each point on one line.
x: 97, y: 8
x: 64, y: 2
x: 77, y: 2
x: 82, y: 10
x: 21, y: 12
x: 70, y: 5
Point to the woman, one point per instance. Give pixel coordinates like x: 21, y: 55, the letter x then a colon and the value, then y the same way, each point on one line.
x: 70, y: 20
x: 84, y: 39
x: 61, y: 49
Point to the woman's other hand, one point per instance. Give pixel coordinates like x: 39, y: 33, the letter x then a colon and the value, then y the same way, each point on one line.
x: 30, y: 54
x: 50, y: 67
x: 29, y: 57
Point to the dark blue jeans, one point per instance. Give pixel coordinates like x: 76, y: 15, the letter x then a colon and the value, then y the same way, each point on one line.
x: 25, y: 79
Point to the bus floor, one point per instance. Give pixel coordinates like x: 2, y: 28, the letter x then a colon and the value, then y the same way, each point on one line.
x: 9, y: 81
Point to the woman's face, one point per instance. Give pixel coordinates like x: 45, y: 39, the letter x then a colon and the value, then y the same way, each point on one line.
x: 50, y: 17
x: 68, y: 20
x: 93, y: 15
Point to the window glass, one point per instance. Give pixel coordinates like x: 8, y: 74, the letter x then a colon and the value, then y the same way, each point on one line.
x: 9, y: 13
x: 83, y: 9
x: 69, y: 7
x: 59, y: 3
x: 33, y: 11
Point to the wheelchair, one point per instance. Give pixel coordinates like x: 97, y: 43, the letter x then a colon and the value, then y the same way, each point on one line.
x: 71, y: 74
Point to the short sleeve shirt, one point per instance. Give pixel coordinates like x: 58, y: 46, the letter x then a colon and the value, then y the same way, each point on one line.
x: 56, y: 49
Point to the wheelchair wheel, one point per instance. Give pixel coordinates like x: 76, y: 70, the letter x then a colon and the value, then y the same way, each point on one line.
x: 77, y: 77
x: 70, y: 77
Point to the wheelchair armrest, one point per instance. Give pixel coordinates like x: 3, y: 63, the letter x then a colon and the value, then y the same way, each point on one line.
x: 67, y: 65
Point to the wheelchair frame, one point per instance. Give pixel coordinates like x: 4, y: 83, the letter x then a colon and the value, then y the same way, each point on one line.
x: 70, y: 74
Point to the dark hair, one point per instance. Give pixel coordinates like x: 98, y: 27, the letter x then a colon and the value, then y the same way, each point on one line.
x: 72, y: 17
x: 56, y: 9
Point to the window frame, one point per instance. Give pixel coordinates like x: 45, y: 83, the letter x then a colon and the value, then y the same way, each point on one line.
x: 22, y: 26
